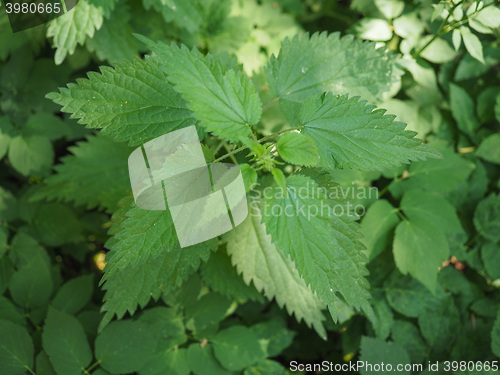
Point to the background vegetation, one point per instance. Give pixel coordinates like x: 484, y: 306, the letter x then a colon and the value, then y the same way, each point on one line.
x: 251, y: 302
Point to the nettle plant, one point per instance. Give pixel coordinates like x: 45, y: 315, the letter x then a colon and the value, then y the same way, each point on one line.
x: 415, y: 279
x: 313, y: 89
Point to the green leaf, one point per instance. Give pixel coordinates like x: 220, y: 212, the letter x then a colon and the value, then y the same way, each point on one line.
x: 65, y: 343
x: 420, y: 249
x: 206, y: 312
x: 24, y: 249
x: 258, y: 260
x: 236, y: 347
x: 167, y: 325
x: 490, y: 254
x: 438, y: 324
x: 433, y: 208
x: 373, y: 29
x: 462, y: 109
x: 114, y: 41
x: 73, y: 28
x: 31, y: 286
x: 351, y: 134
x: 74, y: 294
x: 298, y: 149
x: 438, y: 52
x: 408, y: 296
x: 489, y: 149
x: 489, y: 17
x: 8, y: 205
x: 472, y: 43
x: 325, y: 246
x: 225, y: 101
x: 442, y: 175
x: 377, y: 226
x: 390, y: 8
x: 6, y: 273
x: 266, y: 366
x: 124, y: 347
x: 3, y: 240
x: 149, y: 260
x: 46, y: 124
x: 202, y: 362
x: 142, y: 233
x: 31, y: 154
x: 485, y: 307
x: 308, y: 65
x: 43, y: 365
x: 273, y: 336
x: 132, y: 102
x: 220, y: 275
x: 487, y: 217
x: 10, y: 312
x: 100, y: 165
x: 456, y: 39
x: 495, y: 336
x: 378, y: 351
x: 16, y: 349
x: 55, y: 224
x: 173, y: 362
x: 279, y: 177
x: 384, y: 317
x: 407, y: 336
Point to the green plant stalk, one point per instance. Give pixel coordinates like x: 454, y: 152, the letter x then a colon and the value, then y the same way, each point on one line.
x: 232, y: 153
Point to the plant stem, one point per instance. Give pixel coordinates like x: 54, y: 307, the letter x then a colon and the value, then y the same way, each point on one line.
x: 438, y: 33
x: 92, y: 366
x: 270, y: 104
x: 230, y: 154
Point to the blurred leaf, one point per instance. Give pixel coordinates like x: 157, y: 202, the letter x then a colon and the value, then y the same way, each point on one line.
x: 472, y: 43
x: 487, y: 218
x: 236, y: 347
x: 74, y: 295
x: 489, y: 149
x: 65, y: 343
x: 378, y: 351
x: 124, y: 346
x: 16, y: 353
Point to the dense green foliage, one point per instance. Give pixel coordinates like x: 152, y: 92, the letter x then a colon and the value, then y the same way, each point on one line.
x: 391, y: 107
